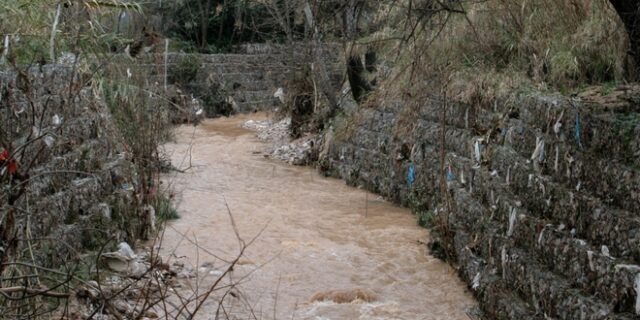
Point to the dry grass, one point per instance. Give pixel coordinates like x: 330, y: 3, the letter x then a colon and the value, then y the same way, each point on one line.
x: 500, y: 46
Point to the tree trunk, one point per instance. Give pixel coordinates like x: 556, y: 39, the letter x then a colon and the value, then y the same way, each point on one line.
x: 350, y: 19
x: 204, y: 22
x: 629, y: 12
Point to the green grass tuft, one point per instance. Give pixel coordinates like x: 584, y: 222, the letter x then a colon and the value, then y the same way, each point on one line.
x: 165, y: 211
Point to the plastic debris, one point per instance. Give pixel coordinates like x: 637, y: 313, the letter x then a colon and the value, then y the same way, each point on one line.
x: 18, y: 111
x: 280, y: 95
x: 49, y: 141
x: 509, y: 136
x: 541, y: 236
x: 124, y: 261
x: 476, y: 281
x: 629, y: 267
x: 125, y: 249
x: 590, y: 258
x: 450, y: 175
x: 512, y: 221
x: 605, y: 251
x: 538, y: 153
x: 126, y: 187
x: 558, y: 125
x: 35, y: 131
x: 477, y: 151
x: 56, y: 120
x: 411, y: 175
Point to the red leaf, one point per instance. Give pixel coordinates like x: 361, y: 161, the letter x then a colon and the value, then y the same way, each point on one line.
x: 13, y: 167
x: 4, y: 155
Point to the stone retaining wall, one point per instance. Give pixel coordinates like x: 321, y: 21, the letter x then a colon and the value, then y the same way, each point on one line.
x: 80, y: 186
x: 544, y: 194
x: 238, y: 83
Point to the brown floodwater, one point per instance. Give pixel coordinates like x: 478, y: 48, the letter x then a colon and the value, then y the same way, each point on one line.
x: 319, y: 244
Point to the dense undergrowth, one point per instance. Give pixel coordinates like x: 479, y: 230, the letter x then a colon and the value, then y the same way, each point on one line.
x: 79, y: 164
x: 483, y: 50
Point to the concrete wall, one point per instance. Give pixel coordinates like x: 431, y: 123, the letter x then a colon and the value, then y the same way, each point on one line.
x: 548, y: 233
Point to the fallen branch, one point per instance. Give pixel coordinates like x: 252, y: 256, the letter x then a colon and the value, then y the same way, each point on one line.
x: 42, y: 292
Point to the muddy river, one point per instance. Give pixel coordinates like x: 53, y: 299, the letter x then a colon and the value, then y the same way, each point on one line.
x: 314, y: 247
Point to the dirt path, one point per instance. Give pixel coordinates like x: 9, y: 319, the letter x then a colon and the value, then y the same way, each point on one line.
x: 318, y: 239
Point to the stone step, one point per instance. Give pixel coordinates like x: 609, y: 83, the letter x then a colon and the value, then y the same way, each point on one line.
x: 612, y: 132
x: 225, y: 58
x: 592, y: 219
x: 597, y: 129
x: 371, y: 164
x: 491, y: 290
x: 219, y: 68
x: 254, y: 106
x: 582, y: 264
x: 554, y: 257
x: 502, y: 159
x: 248, y: 96
x: 552, y: 294
x: 608, y: 278
x: 616, y: 184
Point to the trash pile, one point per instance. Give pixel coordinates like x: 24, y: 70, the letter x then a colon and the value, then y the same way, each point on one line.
x: 140, y: 285
x: 297, y: 152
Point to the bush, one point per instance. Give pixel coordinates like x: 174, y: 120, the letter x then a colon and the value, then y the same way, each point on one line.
x: 425, y: 219
x: 185, y: 71
x: 502, y: 45
x: 164, y: 209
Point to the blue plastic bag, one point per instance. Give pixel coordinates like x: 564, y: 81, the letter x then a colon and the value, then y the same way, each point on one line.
x: 411, y: 175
